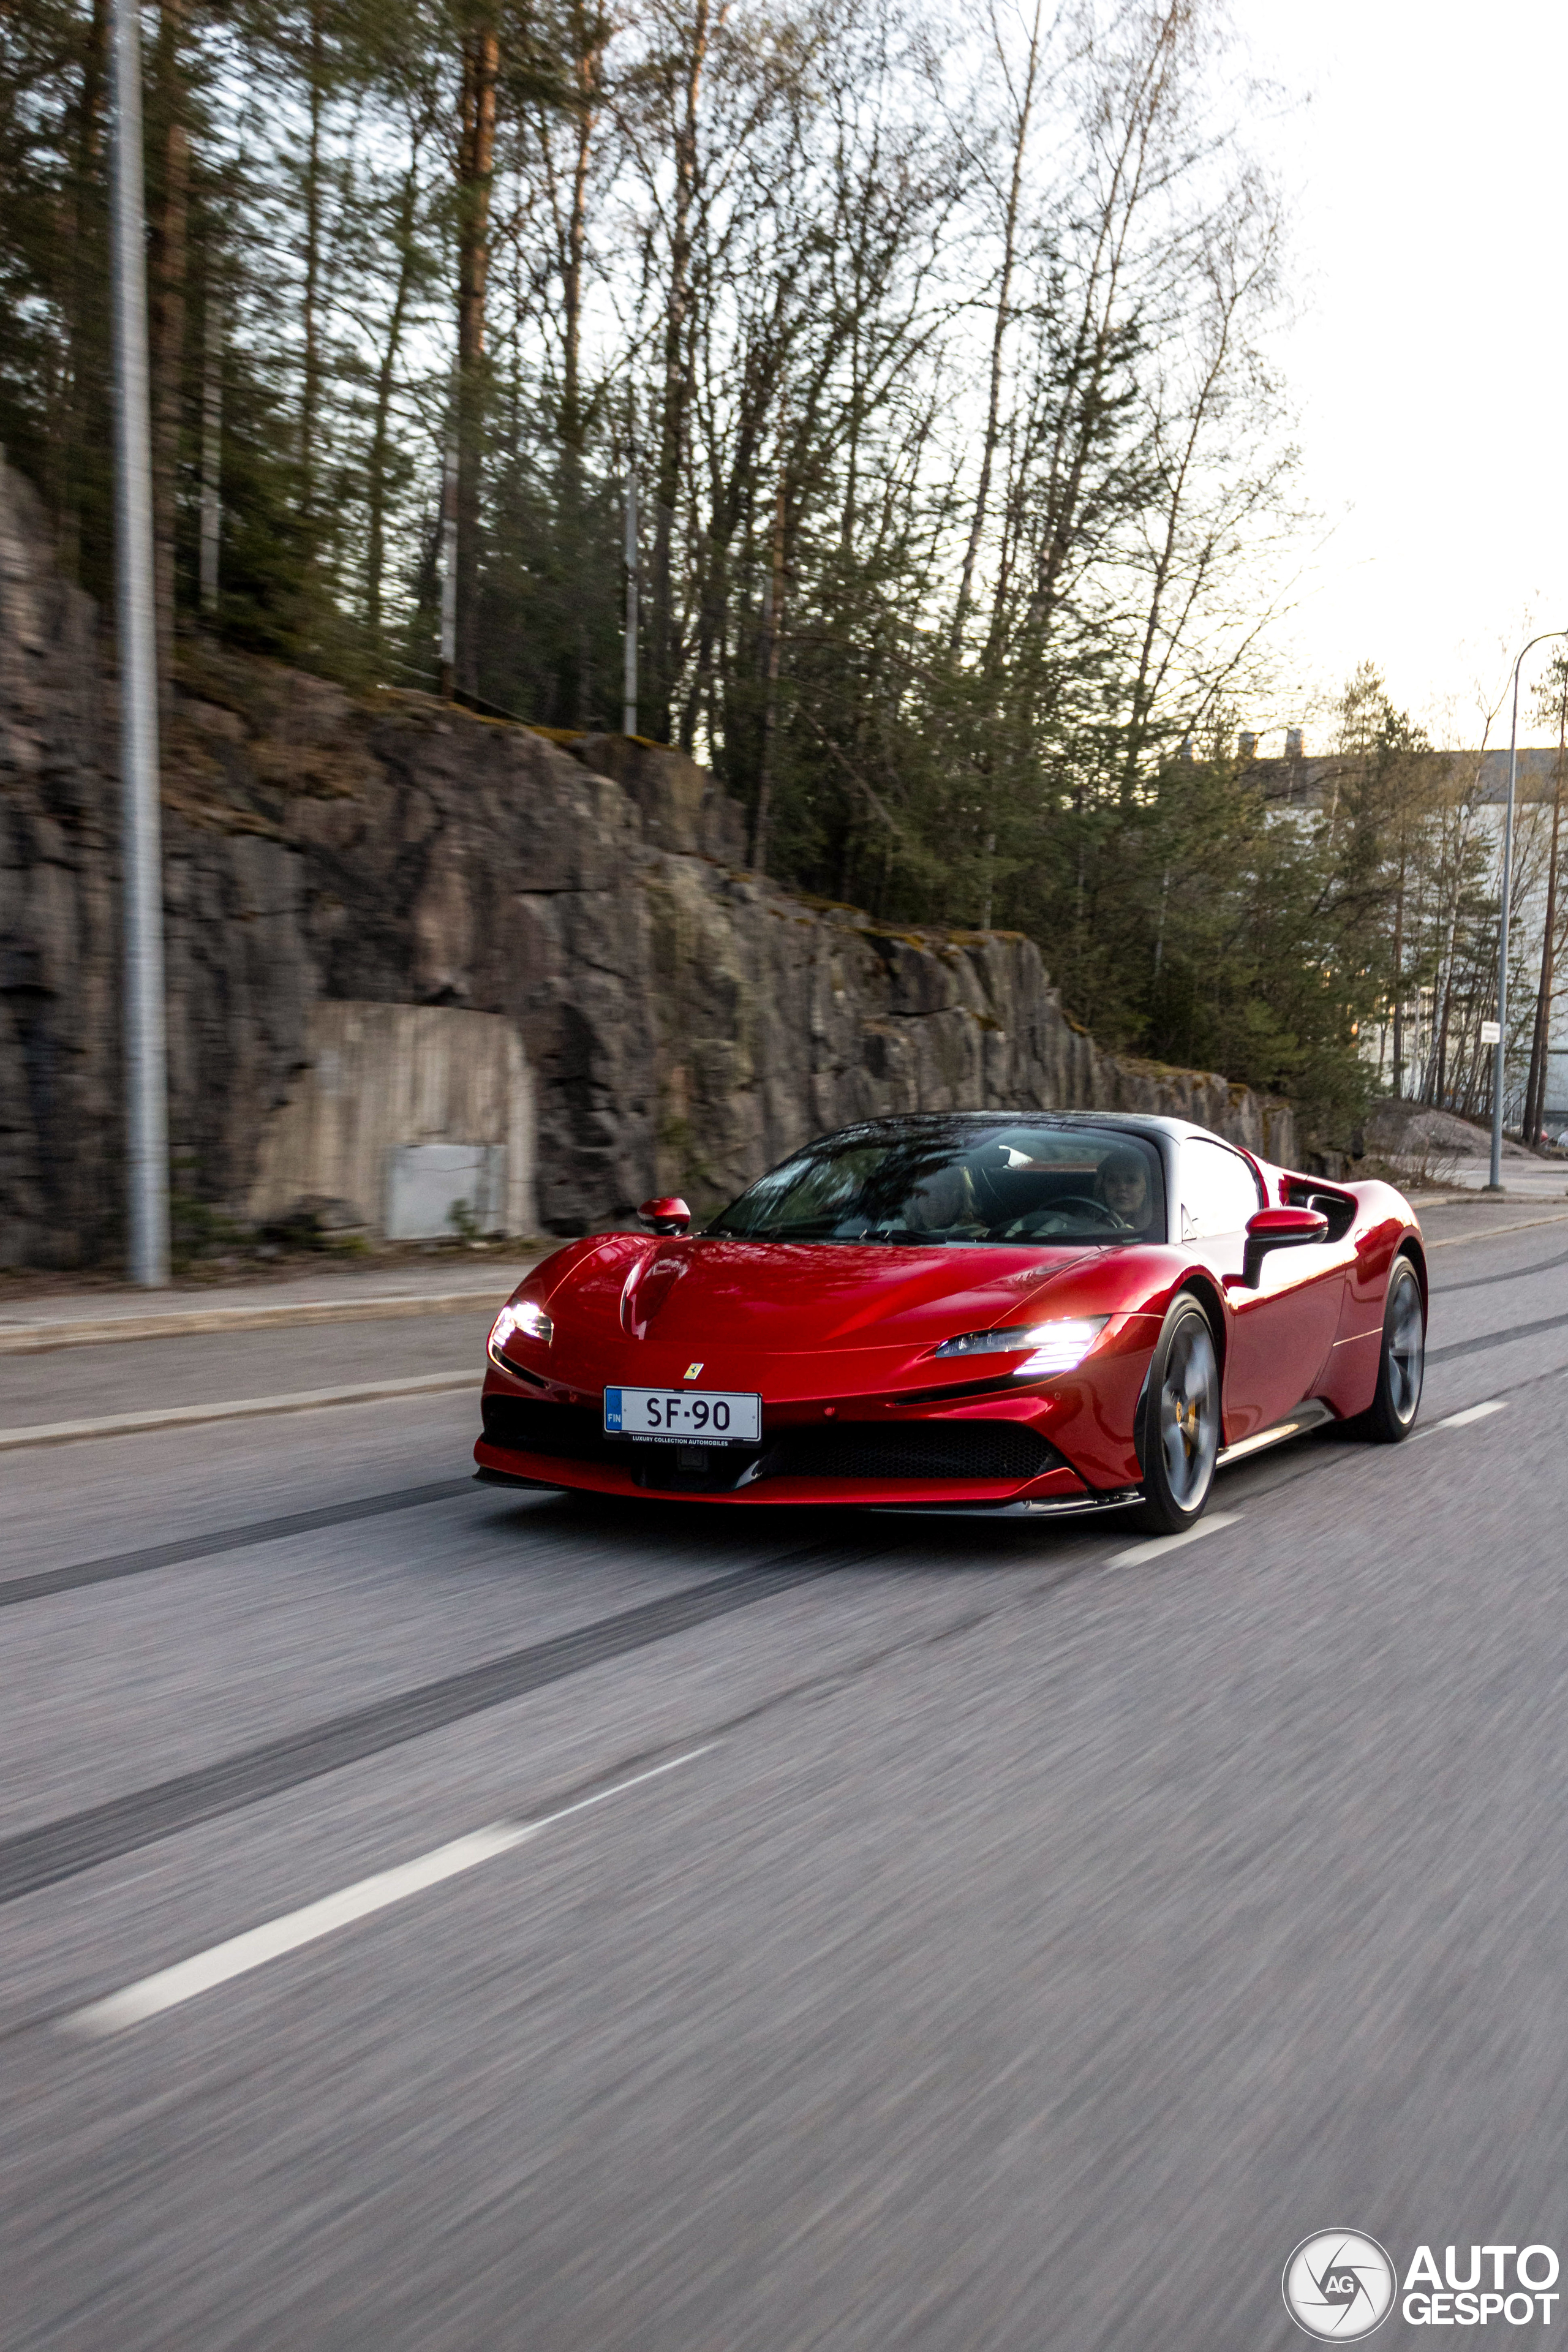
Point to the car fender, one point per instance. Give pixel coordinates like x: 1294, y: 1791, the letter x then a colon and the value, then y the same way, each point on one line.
x: 1384, y: 1230
x: 1137, y: 1288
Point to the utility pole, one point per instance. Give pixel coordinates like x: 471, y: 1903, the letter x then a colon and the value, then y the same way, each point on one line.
x: 146, y: 1073
x: 630, y: 675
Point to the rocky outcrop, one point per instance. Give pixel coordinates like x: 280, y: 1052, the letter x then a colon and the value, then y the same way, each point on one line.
x: 687, y: 1023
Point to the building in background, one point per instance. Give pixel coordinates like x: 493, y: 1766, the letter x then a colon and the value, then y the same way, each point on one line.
x: 1466, y: 792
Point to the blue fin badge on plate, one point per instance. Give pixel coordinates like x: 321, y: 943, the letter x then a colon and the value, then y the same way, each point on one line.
x: 612, y: 1408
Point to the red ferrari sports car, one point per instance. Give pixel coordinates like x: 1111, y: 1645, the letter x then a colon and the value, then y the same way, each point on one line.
x: 1045, y: 1313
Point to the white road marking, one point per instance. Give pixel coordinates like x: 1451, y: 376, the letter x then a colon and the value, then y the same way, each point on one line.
x: 1159, y: 1546
x: 1463, y: 1420
x: 150, y: 1996
x: 185, y: 1416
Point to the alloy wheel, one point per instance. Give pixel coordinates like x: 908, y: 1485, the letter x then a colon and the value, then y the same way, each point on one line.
x: 1406, y: 1345
x: 1189, y: 1412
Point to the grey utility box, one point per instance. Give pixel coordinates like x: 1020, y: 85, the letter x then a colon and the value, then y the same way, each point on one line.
x: 426, y: 1181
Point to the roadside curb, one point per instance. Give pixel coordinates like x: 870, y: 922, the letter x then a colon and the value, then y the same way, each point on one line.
x: 1494, y: 1233
x: 187, y: 1416
x: 181, y: 1322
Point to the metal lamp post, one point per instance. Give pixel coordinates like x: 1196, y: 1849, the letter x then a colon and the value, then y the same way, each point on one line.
x: 1501, y: 1048
x: 147, y: 1114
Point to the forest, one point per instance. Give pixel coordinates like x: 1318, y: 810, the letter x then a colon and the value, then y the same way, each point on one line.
x: 913, y: 368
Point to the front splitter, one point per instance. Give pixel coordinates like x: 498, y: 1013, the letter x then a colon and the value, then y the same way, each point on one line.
x: 1051, y: 1506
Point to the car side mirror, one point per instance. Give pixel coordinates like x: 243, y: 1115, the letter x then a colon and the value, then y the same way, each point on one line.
x: 1273, y: 1229
x: 673, y: 1216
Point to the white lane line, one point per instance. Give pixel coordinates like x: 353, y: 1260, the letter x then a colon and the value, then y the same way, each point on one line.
x: 1159, y: 1546
x: 185, y: 1416
x: 150, y: 1996
x: 1463, y: 1420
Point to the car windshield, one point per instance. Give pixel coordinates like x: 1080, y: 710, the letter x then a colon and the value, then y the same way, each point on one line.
x: 944, y: 1180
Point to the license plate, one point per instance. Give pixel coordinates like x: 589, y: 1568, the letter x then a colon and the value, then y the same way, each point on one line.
x: 695, y: 1416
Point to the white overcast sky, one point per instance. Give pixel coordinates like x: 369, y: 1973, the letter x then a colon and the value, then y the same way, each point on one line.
x: 1425, y: 164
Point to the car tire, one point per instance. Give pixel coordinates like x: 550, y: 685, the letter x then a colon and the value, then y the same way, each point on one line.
x: 1401, y: 1361
x: 1179, y: 1430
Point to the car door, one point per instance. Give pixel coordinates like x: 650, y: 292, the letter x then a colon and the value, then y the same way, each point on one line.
x: 1280, y: 1333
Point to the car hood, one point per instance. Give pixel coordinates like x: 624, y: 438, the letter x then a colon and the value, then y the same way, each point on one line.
x: 696, y: 1292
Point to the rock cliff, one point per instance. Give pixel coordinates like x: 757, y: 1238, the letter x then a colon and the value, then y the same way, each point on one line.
x: 687, y: 1023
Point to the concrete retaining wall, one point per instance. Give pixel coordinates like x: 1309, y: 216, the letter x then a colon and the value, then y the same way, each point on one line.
x: 377, y: 1083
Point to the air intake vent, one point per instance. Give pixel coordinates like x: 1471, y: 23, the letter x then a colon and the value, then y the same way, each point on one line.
x: 568, y: 1431
x: 932, y: 1449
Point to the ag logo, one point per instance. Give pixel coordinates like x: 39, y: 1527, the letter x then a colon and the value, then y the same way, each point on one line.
x: 1339, y: 2284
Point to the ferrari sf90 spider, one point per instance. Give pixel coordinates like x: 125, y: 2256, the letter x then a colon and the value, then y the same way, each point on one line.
x: 1045, y: 1313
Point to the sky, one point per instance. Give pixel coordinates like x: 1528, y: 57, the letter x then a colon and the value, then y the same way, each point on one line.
x: 1425, y: 169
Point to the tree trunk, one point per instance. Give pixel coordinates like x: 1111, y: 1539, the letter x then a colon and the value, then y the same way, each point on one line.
x: 476, y: 157
x: 763, y: 816
x: 1439, y: 1074
x: 587, y: 49
x: 87, y: 275
x: 380, y: 431
x: 1151, y: 668
x: 1438, y: 1069
x: 677, y: 385
x: 311, y: 386
x: 1082, y: 405
x: 212, y: 449
x: 1399, y: 983
x: 998, y: 341
x: 168, y: 335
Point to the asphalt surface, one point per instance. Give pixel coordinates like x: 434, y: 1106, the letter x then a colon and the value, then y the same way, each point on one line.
x: 141, y: 1375
x: 1021, y: 1949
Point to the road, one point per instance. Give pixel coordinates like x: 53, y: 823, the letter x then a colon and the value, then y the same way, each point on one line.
x: 1025, y: 1946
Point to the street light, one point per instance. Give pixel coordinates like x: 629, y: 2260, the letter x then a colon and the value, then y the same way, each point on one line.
x: 146, y: 1105
x: 1501, y: 1048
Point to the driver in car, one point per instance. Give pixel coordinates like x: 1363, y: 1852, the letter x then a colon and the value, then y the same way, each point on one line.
x: 1122, y: 1185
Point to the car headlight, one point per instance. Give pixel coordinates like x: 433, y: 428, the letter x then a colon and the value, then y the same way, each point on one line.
x: 525, y: 1319
x: 1050, y: 1346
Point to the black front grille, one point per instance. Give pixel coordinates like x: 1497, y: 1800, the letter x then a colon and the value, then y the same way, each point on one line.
x: 858, y: 1450
x: 571, y: 1432
x: 931, y: 1449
